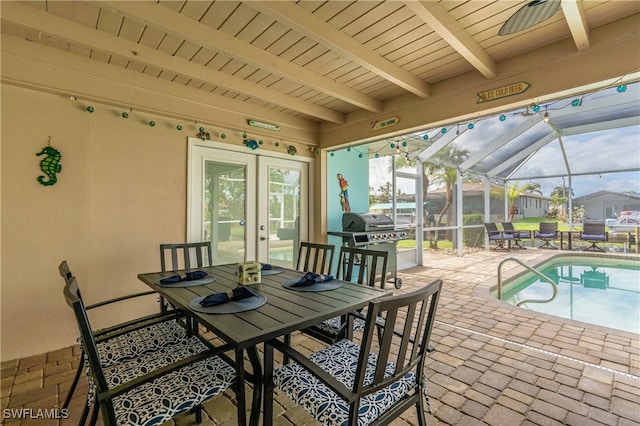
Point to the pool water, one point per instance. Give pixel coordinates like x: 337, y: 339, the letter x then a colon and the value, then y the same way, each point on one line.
x: 595, y: 290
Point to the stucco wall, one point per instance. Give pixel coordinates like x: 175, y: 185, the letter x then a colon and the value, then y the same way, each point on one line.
x: 121, y: 192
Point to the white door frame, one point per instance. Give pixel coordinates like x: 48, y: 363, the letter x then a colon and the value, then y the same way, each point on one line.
x: 194, y: 188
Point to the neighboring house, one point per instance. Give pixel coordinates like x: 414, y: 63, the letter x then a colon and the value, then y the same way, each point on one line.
x: 603, y: 205
x: 528, y: 205
x: 532, y: 205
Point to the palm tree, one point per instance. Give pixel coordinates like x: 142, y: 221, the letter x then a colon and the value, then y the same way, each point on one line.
x: 531, y: 188
x: 436, y: 171
x: 513, y: 193
x: 560, y: 195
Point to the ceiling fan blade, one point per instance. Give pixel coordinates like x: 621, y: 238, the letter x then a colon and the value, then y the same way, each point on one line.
x: 529, y: 15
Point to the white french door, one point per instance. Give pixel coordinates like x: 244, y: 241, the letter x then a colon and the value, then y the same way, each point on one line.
x: 250, y: 206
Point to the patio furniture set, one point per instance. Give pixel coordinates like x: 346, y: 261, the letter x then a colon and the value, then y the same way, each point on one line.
x: 370, y: 370
x: 593, y: 233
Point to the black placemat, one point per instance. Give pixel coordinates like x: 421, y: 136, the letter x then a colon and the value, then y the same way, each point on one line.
x: 325, y: 286
x: 232, y: 307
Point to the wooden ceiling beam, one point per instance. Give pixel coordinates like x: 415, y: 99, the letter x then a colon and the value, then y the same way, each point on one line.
x: 309, y: 25
x: 29, y: 17
x: 183, y: 27
x: 441, y: 21
x: 574, y: 14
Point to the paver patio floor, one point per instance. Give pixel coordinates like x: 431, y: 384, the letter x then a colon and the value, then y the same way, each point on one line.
x: 494, y: 363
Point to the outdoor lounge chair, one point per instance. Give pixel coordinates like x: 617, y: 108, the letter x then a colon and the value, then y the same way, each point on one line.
x: 594, y: 233
x: 518, y: 235
x: 498, y: 237
x: 547, y: 232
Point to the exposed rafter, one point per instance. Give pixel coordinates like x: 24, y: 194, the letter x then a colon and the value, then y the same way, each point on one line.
x: 40, y: 21
x: 174, y: 23
x: 574, y: 14
x: 441, y: 21
x: 311, y: 26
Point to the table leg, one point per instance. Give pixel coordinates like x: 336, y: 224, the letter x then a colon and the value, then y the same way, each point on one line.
x: 240, y: 392
x: 267, y: 416
x: 258, y: 383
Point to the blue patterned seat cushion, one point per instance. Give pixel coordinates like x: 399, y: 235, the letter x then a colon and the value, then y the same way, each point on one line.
x: 127, y: 370
x: 155, y: 402
x: 333, y: 325
x: 340, y: 360
x: 147, y: 339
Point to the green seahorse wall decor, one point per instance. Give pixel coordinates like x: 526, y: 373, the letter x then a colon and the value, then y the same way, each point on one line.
x: 50, y: 165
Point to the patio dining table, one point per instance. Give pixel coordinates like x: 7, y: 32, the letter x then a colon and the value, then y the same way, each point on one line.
x: 284, y: 311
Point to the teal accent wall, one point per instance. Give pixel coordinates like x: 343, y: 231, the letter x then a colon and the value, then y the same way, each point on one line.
x: 355, y: 170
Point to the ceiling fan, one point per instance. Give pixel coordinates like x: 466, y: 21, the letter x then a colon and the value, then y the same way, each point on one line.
x: 529, y: 15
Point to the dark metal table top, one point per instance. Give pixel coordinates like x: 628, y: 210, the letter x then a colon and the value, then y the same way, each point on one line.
x: 284, y: 312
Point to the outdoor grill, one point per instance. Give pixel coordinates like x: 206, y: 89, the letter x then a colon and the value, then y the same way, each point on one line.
x: 375, y: 232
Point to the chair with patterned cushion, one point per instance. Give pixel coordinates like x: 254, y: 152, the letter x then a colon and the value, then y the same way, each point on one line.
x: 368, y: 383
x: 498, y: 237
x: 594, y: 233
x: 359, y: 265
x: 547, y: 232
x: 152, y: 387
x: 129, y: 340
x: 315, y: 257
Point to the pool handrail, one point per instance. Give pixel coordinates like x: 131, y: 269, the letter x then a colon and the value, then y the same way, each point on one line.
x: 535, y: 271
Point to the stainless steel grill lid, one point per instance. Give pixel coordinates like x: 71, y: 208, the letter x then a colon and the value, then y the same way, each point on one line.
x: 364, y: 222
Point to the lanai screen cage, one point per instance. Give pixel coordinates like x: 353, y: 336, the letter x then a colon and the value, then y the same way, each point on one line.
x: 583, y: 145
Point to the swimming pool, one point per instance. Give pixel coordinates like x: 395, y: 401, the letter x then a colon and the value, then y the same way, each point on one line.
x: 601, y: 290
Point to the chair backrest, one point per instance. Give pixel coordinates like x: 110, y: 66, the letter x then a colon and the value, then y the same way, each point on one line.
x: 508, y: 226
x: 593, y: 228
x: 316, y: 258
x: 184, y: 254
x: 491, y: 227
x: 371, y: 266
x: 548, y: 227
x: 72, y: 296
x: 413, y: 313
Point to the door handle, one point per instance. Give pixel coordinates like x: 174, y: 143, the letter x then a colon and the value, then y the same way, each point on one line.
x: 263, y: 238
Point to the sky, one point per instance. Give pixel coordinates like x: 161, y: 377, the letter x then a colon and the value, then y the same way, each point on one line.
x: 604, y: 153
x: 580, y: 149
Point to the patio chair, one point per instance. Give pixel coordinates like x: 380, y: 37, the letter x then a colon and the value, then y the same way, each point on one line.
x: 182, y: 256
x: 498, y: 236
x: 360, y: 384
x: 547, y: 232
x: 518, y: 235
x: 594, y: 233
x: 358, y: 265
x: 150, y: 388
x: 316, y: 258
x: 131, y: 339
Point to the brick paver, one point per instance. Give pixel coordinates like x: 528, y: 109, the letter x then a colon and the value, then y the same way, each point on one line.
x: 494, y: 364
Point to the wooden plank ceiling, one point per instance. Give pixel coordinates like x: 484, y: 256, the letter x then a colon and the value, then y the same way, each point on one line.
x: 316, y: 60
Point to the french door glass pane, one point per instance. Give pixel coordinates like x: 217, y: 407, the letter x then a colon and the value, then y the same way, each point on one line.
x: 284, y: 211
x: 224, y: 210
